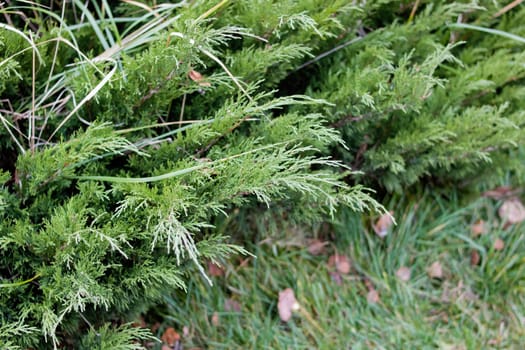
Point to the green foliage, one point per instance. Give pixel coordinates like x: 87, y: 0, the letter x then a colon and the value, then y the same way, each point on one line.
x: 464, y: 308
x: 136, y: 139
x: 120, y: 161
x: 412, y: 106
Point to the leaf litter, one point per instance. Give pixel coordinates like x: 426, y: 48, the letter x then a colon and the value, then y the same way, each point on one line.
x: 403, y: 273
x: 383, y: 224
x: 287, y: 304
x: 512, y: 211
x: 341, y: 263
x: 435, y: 270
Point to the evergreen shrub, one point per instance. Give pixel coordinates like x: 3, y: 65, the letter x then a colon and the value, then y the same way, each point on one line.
x: 134, y: 139
x: 431, y: 99
x: 112, y: 178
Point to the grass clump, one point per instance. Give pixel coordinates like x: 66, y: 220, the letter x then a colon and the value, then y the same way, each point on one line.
x: 468, y: 306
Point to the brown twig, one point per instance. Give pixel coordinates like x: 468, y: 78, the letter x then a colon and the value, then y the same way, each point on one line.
x: 329, y: 52
x: 6, y: 15
x: 507, y: 8
x: 24, y: 17
x: 206, y: 148
x: 152, y: 92
x: 413, y: 12
x: 359, y: 155
x: 349, y: 119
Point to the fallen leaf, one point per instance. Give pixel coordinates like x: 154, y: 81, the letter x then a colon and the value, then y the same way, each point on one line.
x: 403, y: 273
x: 287, y: 303
x: 512, y: 211
x: 383, y: 224
x: 478, y: 228
x: 372, y: 296
x: 341, y: 262
x: 215, y: 319
x: 214, y: 270
x: 195, y: 76
x: 501, y: 192
x: 435, y: 270
x: 499, y: 244
x: 316, y: 247
x: 198, y: 78
x: 170, y: 336
x: 232, y: 305
x: 474, y: 258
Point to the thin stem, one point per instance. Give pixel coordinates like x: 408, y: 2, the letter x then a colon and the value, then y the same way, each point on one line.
x: 172, y: 174
x: 212, y: 10
x: 32, y: 117
x: 182, y: 108
x: 507, y: 8
x: 329, y: 52
x: 413, y: 12
x: 20, y: 283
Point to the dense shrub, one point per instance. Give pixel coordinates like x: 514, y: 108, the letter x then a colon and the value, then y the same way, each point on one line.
x: 131, y: 137
x: 421, y: 100
x: 113, y: 179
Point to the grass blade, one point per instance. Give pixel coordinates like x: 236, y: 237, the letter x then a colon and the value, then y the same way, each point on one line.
x: 488, y: 30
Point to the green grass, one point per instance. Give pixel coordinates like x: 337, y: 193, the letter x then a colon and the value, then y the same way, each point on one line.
x: 471, y: 307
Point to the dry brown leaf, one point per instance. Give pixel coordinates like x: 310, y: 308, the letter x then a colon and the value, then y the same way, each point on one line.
x: 215, y: 319
x: 195, y: 76
x: 214, y: 270
x: 316, y: 247
x: 341, y: 262
x: 232, y: 305
x: 499, y: 192
x: 499, y: 244
x: 474, y: 258
x: 287, y: 304
x: 383, y: 224
x: 435, y: 270
x: 512, y: 211
x: 170, y: 337
x: 403, y: 273
x: 372, y: 296
x: 198, y: 78
x: 478, y: 228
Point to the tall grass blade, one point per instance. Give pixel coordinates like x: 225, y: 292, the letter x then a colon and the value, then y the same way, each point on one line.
x: 489, y: 30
